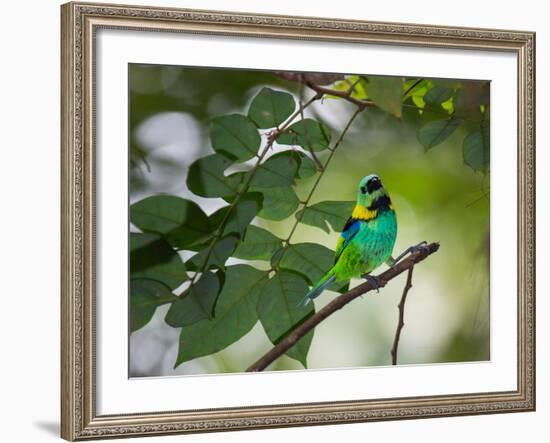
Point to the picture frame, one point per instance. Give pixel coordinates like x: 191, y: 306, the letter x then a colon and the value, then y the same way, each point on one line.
x: 81, y: 22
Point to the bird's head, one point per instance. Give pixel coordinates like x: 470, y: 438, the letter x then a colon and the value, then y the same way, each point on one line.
x: 372, y: 194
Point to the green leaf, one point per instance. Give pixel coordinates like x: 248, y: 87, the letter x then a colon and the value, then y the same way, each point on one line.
x: 417, y: 93
x: 307, y: 166
x: 197, y: 304
x: 386, y: 93
x: 270, y: 108
x: 206, y: 177
x: 236, y: 136
x: 323, y: 214
x: 278, y: 170
x: 309, y: 259
x: 437, y: 95
x: 437, y: 131
x: 218, y: 255
x: 476, y: 149
x: 145, y: 296
x: 278, y: 203
x: 415, y: 85
x: 181, y: 222
x: 280, y: 311
x: 234, y: 315
x: 449, y: 105
x: 258, y: 244
x: 307, y: 133
x: 151, y: 257
x: 240, y: 215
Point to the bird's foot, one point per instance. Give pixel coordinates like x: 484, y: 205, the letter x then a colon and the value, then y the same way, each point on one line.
x: 374, y: 281
x: 410, y: 250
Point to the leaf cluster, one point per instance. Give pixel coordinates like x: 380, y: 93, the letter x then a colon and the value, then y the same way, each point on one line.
x: 238, y: 273
x: 220, y: 301
x: 439, y: 108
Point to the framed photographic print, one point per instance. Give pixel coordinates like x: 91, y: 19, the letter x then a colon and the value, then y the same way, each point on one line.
x: 254, y: 207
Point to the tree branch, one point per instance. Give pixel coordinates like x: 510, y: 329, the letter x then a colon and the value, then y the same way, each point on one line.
x: 346, y: 95
x: 401, y: 321
x: 362, y: 104
x: 292, y: 338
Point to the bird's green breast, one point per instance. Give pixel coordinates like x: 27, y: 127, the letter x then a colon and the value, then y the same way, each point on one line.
x: 370, y: 247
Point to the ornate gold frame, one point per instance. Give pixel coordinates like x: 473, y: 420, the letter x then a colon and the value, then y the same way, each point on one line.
x: 79, y: 420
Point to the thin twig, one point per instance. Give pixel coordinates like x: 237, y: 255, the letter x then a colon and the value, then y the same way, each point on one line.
x: 305, y: 203
x: 299, y: 111
x: 250, y: 175
x: 310, y: 149
x: 219, y: 231
x: 414, y: 85
x: 401, y: 321
x: 292, y: 338
x: 353, y: 85
x: 484, y: 195
x: 342, y: 94
x: 321, y: 173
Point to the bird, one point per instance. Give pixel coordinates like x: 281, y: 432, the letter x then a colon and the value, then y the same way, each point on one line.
x: 367, y: 239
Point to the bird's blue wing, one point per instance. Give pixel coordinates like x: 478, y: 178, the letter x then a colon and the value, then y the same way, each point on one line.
x: 351, y: 228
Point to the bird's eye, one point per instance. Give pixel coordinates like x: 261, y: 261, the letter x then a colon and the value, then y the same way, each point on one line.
x: 363, y: 189
x: 373, y: 184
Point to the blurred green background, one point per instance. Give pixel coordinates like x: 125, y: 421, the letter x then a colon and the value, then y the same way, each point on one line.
x: 436, y: 196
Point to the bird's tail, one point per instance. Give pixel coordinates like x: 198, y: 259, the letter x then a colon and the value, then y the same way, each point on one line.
x: 321, y: 285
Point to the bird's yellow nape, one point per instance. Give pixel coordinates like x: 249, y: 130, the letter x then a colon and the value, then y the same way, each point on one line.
x: 361, y: 212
